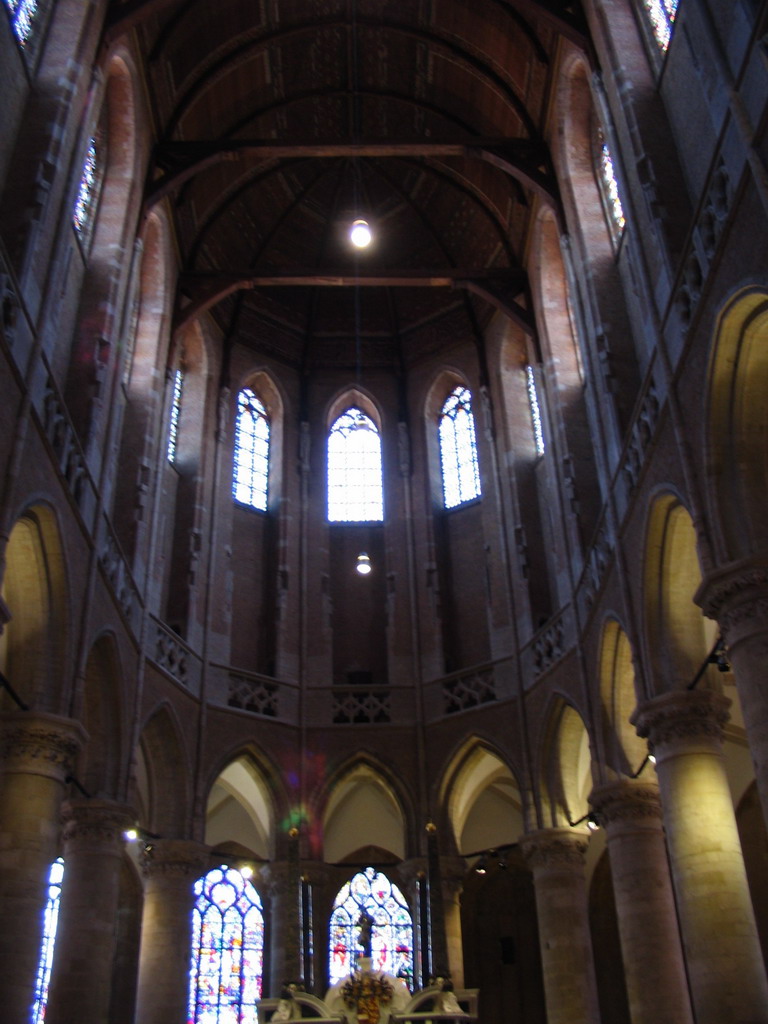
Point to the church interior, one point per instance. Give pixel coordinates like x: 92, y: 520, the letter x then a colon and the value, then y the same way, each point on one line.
x: 383, y: 533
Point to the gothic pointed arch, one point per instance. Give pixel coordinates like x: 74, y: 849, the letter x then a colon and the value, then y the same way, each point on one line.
x: 35, y: 639
x: 354, y: 483
x: 565, y: 768
x: 104, y: 718
x: 677, y: 637
x: 624, y: 750
x: 737, y: 426
x: 362, y: 797
x: 481, y: 797
x: 242, y: 809
x: 162, y: 782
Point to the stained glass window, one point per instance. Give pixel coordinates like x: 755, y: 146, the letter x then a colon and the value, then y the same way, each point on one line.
x: 661, y: 14
x: 251, y: 451
x: 610, y: 188
x: 89, y: 190
x: 24, y: 17
x: 391, y: 934
x: 227, y: 949
x: 355, y: 492
x: 458, y: 449
x: 173, y: 429
x: 533, y: 399
x: 50, y: 921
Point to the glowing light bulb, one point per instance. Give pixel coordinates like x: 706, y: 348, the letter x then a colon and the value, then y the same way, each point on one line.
x: 363, y: 564
x: 131, y: 835
x: 360, y: 234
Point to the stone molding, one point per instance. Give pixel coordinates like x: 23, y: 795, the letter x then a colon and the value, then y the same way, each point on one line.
x: 180, y: 859
x: 555, y: 847
x: 626, y: 802
x: 96, y: 823
x: 682, y: 715
x: 35, y: 743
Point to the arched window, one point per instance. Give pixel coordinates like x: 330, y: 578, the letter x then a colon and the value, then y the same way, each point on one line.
x: 50, y: 921
x: 661, y: 14
x: 227, y: 949
x: 251, y: 475
x: 458, y: 449
x: 609, y: 188
x: 25, y: 18
x: 392, y: 932
x: 89, y: 189
x: 355, y: 492
x: 173, y: 427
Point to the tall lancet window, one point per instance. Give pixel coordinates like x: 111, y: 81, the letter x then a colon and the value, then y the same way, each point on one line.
x: 609, y: 188
x: 50, y: 922
x: 391, y: 934
x: 227, y: 949
x: 25, y: 17
x: 89, y: 189
x: 173, y: 425
x: 251, y: 476
x: 662, y: 14
x: 355, y: 491
x: 458, y: 449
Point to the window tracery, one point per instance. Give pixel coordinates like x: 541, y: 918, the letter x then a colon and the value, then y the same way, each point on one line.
x: 50, y: 923
x: 227, y: 949
x: 251, y: 474
x: 391, y: 933
x: 355, y: 490
x: 458, y: 449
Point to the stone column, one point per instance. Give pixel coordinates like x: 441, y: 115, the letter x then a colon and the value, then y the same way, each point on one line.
x: 37, y: 752
x: 738, y: 600
x: 452, y: 872
x: 412, y: 877
x: 725, y: 966
x: 171, y: 867
x: 630, y: 812
x: 94, y: 846
x: 556, y: 857
x: 282, y: 887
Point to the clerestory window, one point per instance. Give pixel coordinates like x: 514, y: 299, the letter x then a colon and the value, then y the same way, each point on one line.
x: 251, y: 472
x: 533, y: 401
x: 609, y: 188
x: 89, y: 190
x: 661, y: 15
x: 355, y: 490
x: 458, y: 449
x: 226, y: 966
x: 25, y: 19
x: 173, y: 426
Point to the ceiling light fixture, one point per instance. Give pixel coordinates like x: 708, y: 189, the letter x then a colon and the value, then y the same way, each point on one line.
x: 363, y: 564
x: 360, y: 234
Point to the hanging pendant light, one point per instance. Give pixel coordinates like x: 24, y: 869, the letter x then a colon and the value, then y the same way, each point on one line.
x: 363, y: 564
x: 360, y: 234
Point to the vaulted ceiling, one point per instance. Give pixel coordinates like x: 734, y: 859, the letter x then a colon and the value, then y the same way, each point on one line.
x: 280, y: 121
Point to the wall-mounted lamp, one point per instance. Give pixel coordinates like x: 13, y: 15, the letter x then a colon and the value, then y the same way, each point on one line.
x: 363, y: 564
x: 591, y: 819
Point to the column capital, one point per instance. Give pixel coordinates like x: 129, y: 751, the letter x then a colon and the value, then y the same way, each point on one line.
x: 737, y: 598
x: 174, y: 859
x: 96, y: 823
x: 36, y: 743
x: 555, y: 848
x: 627, y: 802
x: 681, y: 719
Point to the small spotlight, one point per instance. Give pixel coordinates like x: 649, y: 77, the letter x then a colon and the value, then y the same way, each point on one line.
x: 363, y: 564
x: 593, y: 824
x: 131, y: 835
x: 246, y: 871
x: 360, y: 234
x: 652, y: 758
x: 480, y: 867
